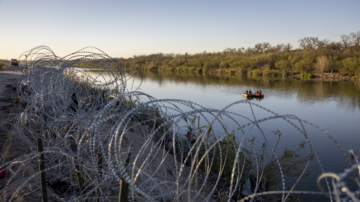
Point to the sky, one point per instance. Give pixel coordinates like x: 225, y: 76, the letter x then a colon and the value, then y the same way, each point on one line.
x: 127, y: 28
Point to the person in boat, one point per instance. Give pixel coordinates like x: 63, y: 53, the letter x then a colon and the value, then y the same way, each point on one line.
x: 246, y: 92
x: 260, y: 91
x: 257, y: 92
x: 250, y: 92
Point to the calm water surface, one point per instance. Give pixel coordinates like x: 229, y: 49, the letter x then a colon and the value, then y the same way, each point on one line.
x: 334, y: 106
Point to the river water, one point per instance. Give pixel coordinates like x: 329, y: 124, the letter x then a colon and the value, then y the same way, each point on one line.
x: 333, y: 106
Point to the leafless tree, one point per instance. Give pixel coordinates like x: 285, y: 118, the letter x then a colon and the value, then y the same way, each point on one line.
x: 230, y: 50
x: 262, y: 47
x: 345, y: 41
x: 323, y: 43
x: 287, y: 47
x: 277, y: 48
x: 355, y: 36
x: 266, y: 46
x: 314, y: 42
x: 309, y: 42
x: 241, y: 50
x: 302, y: 43
x: 259, y: 47
x: 250, y: 50
x: 334, y: 45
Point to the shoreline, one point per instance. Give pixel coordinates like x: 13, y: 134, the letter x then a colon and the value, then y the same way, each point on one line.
x: 290, y: 75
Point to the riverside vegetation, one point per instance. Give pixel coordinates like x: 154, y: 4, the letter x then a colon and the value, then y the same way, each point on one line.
x: 312, y: 56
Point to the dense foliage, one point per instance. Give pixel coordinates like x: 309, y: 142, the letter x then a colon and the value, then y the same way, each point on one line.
x: 313, y: 55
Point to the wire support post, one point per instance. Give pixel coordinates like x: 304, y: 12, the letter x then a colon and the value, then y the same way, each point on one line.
x: 41, y: 169
x: 124, y: 191
x: 77, y: 168
x: 99, y: 164
x: 124, y: 186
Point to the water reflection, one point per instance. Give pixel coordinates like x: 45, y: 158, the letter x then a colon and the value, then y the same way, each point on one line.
x: 335, y: 106
x: 307, y: 91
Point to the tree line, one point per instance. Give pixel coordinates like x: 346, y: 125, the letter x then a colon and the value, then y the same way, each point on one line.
x: 312, y: 55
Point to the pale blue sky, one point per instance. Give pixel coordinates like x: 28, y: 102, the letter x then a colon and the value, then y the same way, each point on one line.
x: 127, y: 28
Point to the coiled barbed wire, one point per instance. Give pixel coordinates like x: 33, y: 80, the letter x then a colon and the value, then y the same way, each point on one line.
x: 165, y: 149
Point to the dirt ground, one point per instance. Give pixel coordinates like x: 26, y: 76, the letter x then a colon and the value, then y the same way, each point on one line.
x: 8, y: 76
x: 9, y: 147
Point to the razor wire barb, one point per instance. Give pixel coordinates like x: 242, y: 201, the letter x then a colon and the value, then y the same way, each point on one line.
x: 178, y: 149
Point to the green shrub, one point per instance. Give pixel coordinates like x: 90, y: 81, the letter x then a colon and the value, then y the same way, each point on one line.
x: 282, y: 65
x: 152, y: 68
x: 355, y: 79
x: 242, y: 71
x: 256, y: 72
x: 279, y: 74
x: 169, y: 68
x: 3, y: 65
x: 351, y: 66
x: 306, y: 76
x: 192, y: 69
x: 267, y: 73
